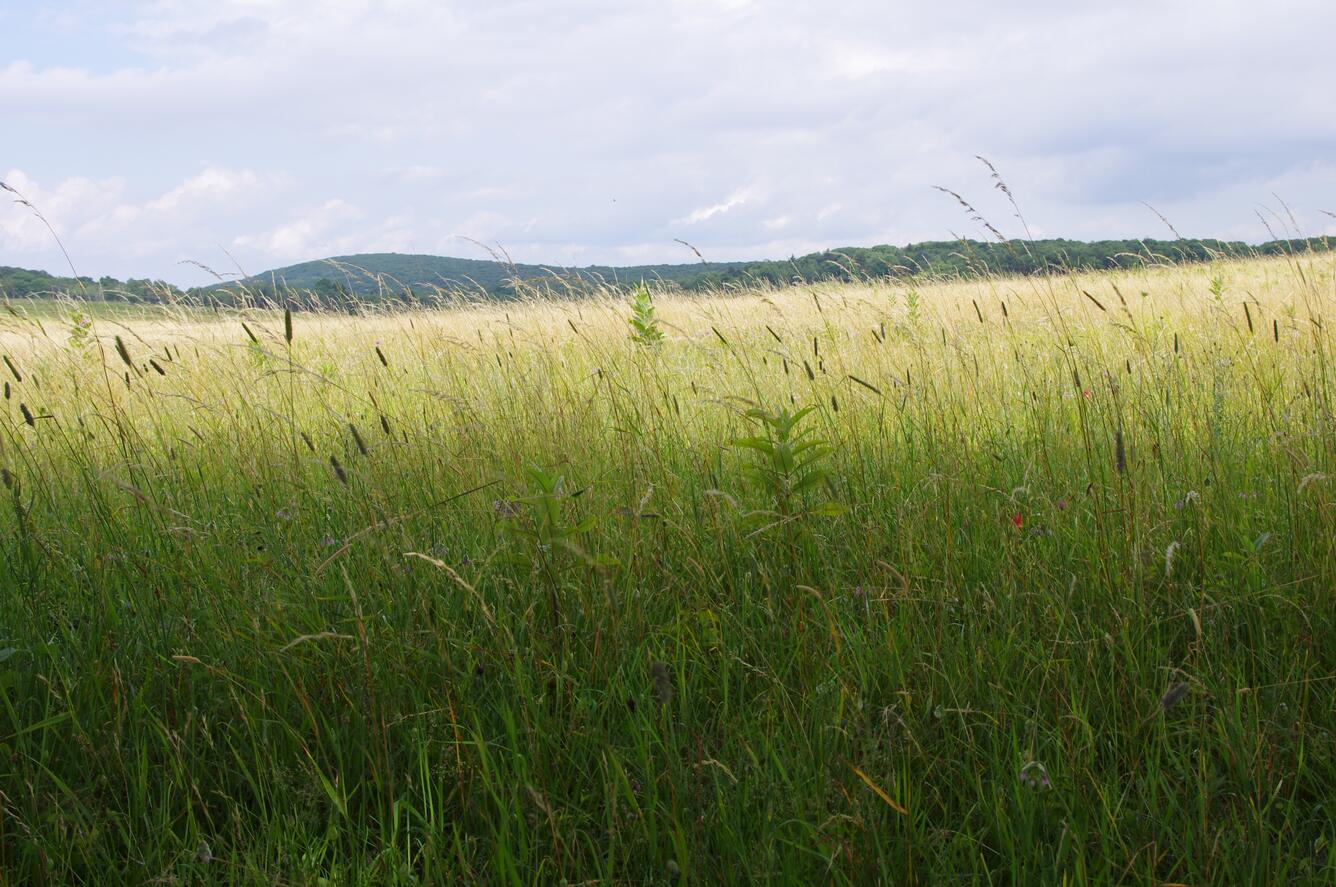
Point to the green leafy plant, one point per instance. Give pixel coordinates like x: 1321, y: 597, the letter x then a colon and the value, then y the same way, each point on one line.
x: 914, y: 309
x: 539, y: 521
x: 787, y: 466
x: 645, y: 328
x: 81, y: 329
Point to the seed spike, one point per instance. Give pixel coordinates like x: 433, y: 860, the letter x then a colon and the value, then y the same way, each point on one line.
x: 868, y: 385
x: 357, y: 438
x: 125, y: 354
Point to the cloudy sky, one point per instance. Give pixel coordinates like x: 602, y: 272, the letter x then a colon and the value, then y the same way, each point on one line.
x: 580, y: 131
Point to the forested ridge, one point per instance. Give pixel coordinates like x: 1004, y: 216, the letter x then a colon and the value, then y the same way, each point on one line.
x: 401, y: 277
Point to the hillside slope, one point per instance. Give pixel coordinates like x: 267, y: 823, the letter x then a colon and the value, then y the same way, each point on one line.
x: 396, y: 276
x: 393, y: 275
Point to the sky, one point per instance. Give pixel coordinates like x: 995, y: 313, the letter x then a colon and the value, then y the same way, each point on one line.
x: 245, y: 135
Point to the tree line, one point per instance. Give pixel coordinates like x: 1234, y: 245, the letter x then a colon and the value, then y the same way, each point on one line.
x: 391, y: 278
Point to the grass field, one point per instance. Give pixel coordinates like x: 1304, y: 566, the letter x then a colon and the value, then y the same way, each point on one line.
x: 1010, y: 582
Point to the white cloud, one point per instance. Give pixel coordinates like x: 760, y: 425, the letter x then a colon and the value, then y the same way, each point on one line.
x: 23, y: 232
x: 209, y: 186
x: 705, y: 213
x: 94, y: 218
x: 600, y: 130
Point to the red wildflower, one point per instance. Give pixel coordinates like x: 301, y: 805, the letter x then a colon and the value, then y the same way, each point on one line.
x: 1017, y: 520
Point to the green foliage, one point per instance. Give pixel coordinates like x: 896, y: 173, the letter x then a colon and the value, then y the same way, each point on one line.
x: 81, y: 329
x: 21, y: 283
x: 549, y: 542
x: 644, y: 326
x: 914, y: 309
x: 972, y: 258
x: 540, y: 518
x: 787, y: 466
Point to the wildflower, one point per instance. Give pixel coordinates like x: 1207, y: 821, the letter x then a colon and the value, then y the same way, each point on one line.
x: 1063, y: 505
x: 1017, y: 520
x: 1035, y: 775
x: 1188, y: 498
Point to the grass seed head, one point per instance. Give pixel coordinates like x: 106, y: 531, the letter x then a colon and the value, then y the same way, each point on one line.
x: 357, y: 438
x: 1174, y: 695
x: 124, y: 353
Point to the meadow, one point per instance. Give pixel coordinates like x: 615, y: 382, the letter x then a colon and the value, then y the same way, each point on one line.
x: 1000, y: 581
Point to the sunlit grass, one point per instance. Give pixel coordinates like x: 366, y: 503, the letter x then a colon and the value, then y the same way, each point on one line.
x: 515, y: 593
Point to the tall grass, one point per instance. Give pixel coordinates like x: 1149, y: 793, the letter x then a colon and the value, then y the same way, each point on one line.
x: 1012, y: 581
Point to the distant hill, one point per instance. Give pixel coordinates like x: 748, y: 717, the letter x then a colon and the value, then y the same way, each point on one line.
x: 393, y: 276
x: 376, y: 277
x: 390, y: 275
